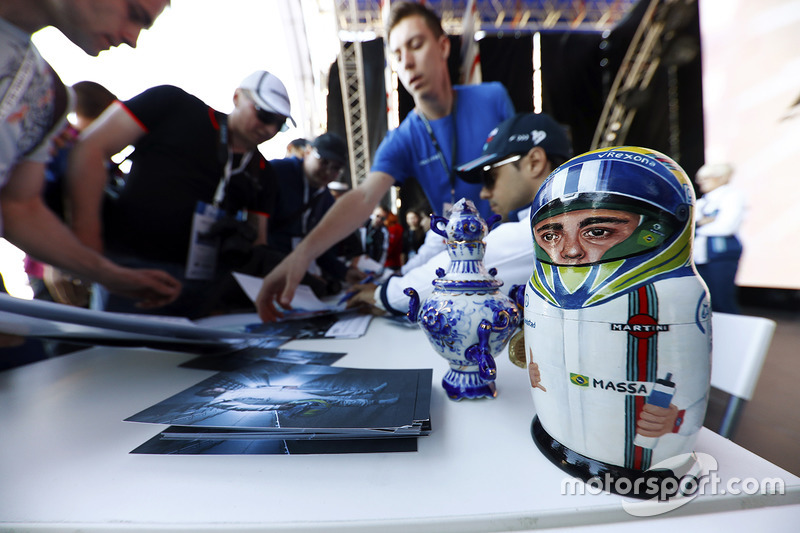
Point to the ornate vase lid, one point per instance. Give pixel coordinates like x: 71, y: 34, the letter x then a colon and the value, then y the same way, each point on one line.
x: 464, y: 231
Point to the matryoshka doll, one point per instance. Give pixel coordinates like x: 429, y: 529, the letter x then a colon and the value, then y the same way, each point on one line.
x: 617, y: 321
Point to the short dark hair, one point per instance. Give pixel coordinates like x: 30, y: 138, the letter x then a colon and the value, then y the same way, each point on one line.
x: 556, y: 161
x: 91, y: 99
x: 299, y: 143
x: 404, y: 9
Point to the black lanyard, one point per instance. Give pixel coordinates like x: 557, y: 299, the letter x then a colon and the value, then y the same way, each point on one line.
x: 309, y: 203
x: 304, y: 211
x: 225, y: 155
x: 451, y: 172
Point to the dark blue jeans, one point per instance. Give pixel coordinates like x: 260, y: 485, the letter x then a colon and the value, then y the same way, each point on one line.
x: 720, y: 277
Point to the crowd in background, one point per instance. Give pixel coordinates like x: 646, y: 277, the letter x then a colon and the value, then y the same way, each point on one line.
x: 200, y: 202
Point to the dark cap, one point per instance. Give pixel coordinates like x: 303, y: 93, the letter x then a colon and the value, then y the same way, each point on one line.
x: 517, y: 135
x: 331, y: 147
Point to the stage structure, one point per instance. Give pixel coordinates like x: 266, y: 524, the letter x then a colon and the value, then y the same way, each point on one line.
x: 652, y: 47
x: 362, y: 20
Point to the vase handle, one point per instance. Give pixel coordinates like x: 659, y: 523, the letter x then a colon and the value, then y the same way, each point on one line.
x: 439, y: 225
x: 413, y: 304
x: 480, y: 353
x: 517, y: 295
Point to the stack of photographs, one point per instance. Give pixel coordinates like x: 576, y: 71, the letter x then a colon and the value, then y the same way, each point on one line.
x: 273, y: 407
x: 254, y: 354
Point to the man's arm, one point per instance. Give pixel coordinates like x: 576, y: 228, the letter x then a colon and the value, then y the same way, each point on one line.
x: 389, y: 296
x: 87, y: 174
x: 431, y: 247
x: 728, y: 217
x: 513, y: 264
x: 347, y: 214
x: 31, y: 226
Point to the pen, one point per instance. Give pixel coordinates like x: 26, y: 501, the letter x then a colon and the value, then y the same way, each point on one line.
x: 350, y: 294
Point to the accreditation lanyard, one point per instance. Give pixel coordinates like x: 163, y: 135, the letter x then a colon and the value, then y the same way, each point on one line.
x: 451, y: 171
x: 201, y: 261
x: 228, y: 169
x: 309, y: 199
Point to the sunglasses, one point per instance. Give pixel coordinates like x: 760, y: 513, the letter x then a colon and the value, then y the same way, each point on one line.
x: 331, y: 166
x: 270, y: 119
x: 488, y: 175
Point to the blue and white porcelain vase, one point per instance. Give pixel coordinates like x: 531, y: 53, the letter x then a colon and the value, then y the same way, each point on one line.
x: 466, y: 318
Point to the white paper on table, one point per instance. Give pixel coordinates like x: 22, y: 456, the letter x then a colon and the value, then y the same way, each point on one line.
x: 38, y: 318
x: 368, y: 264
x: 304, y: 298
x: 349, y: 328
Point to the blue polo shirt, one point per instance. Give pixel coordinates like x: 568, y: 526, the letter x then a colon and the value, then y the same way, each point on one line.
x: 408, y: 151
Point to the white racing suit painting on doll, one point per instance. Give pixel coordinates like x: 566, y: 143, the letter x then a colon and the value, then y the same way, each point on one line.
x: 617, y: 321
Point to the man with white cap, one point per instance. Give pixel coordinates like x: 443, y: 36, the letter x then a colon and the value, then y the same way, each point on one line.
x: 197, y: 186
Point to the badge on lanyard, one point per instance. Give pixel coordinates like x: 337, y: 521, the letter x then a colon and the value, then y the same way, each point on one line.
x: 203, y: 248
x: 201, y: 263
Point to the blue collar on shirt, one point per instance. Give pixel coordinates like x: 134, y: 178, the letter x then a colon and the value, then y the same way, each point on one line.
x: 520, y: 214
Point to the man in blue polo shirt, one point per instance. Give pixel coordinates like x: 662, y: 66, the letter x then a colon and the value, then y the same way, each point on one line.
x: 518, y: 156
x: 447, y: 127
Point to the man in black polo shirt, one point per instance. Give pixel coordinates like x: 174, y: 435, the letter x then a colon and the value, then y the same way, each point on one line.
x: 194, y: 170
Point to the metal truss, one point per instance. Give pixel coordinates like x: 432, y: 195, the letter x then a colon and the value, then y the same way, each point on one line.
x: 359, y: 20
x: 501, y: 15
x: 646, y: 52
x: 354, y: 97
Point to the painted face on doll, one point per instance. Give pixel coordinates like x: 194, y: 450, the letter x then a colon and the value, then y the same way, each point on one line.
x: 583, y: 236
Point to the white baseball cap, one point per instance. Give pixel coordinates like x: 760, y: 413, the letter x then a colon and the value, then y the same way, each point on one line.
x: 269, y: 93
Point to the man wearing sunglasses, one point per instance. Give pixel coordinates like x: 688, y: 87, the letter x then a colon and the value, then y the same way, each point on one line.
x: 198, y: 193
x: 303, y: 199
x: 517, y: 157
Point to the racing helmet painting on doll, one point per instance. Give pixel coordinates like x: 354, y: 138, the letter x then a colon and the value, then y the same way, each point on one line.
x: 616, y: 319
x: 610, y: 220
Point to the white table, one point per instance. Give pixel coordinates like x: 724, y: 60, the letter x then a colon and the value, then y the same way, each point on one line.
x: 65, y: 462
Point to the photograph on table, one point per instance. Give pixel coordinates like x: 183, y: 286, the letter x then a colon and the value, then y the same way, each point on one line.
x: 166, y: 444
x: 255, y: 354
x: 301, y: 399
x: 309, y: 327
